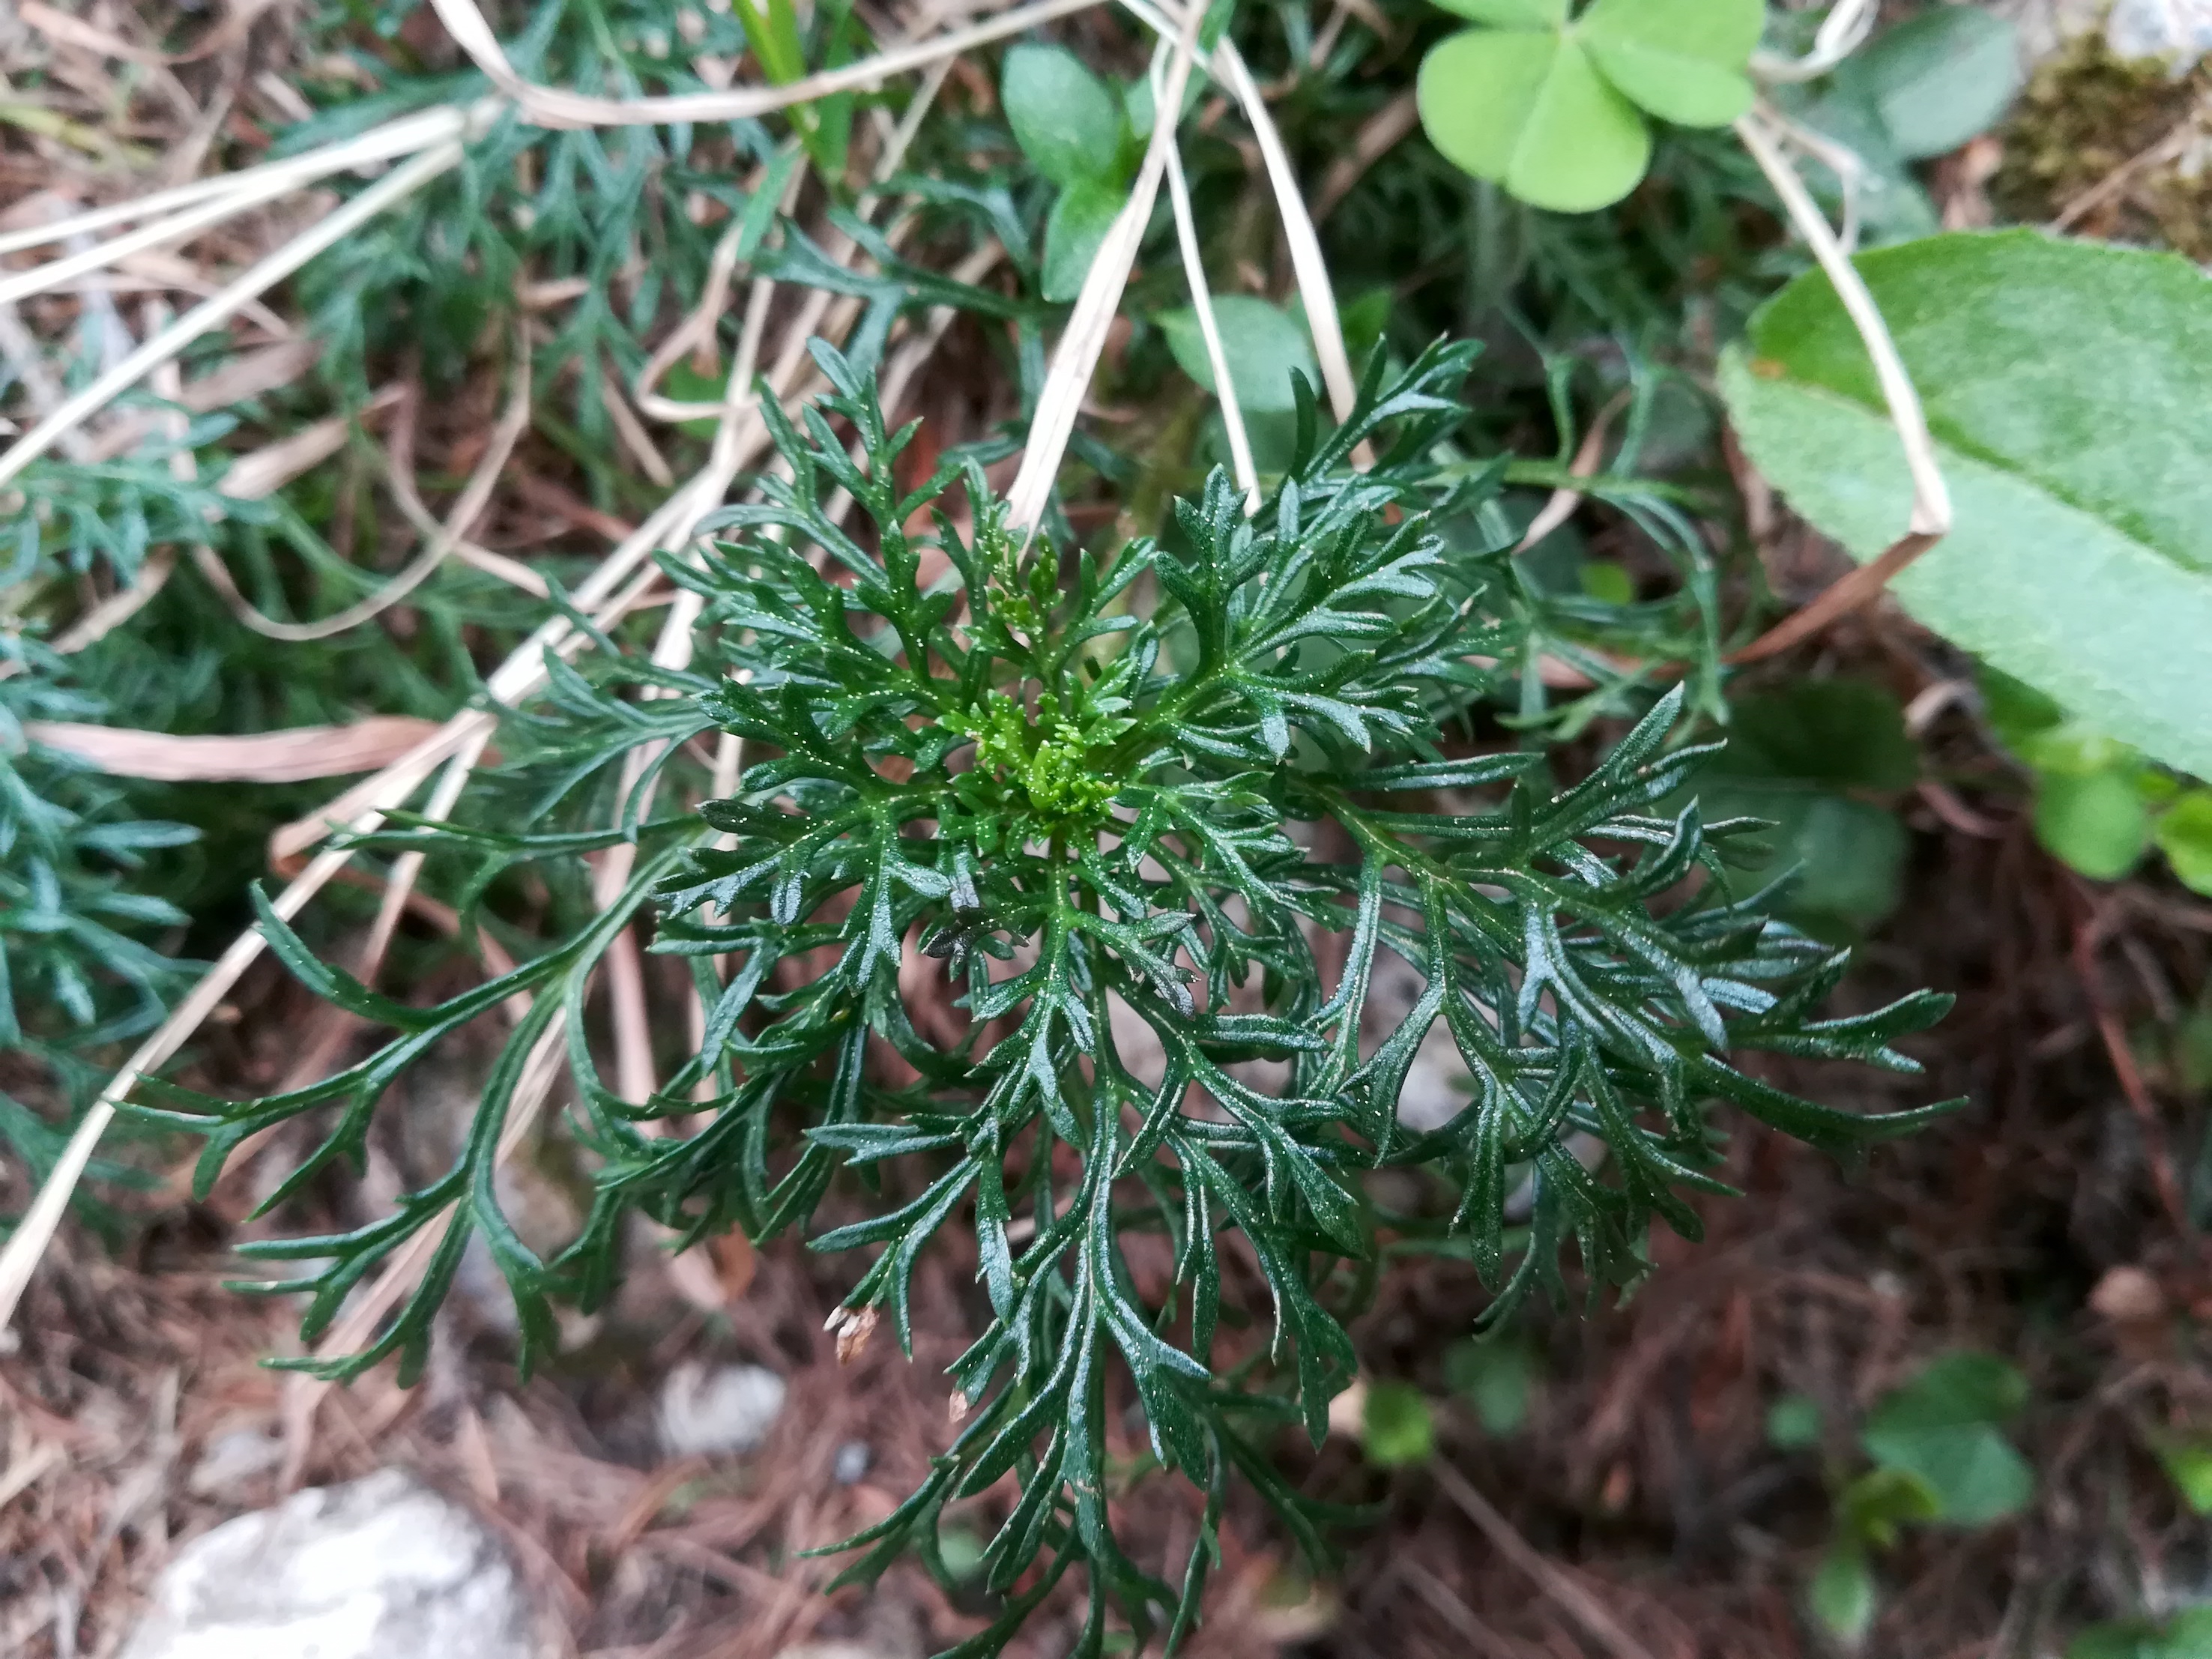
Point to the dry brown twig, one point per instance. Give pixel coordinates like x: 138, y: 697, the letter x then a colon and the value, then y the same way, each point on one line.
x: 1929, y: 519
x: 1597, y: 1620
x: 1378, y: 135
x: 290, y: 754
x: 2112, y: 1031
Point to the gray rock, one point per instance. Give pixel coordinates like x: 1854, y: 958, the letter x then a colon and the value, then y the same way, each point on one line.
x: 2045, y: 26
x: 853, y: 1460
x: 382, y: 1568
x: 2178, y: 31
x: 712, y: 1413
x: 234, y: 1458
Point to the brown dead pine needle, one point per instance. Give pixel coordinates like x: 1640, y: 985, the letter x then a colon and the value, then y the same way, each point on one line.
x: 1577, y: 1603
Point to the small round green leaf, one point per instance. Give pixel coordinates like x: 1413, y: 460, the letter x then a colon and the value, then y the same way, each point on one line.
x: 1942, y: 1429
x: 2092, y: 821
x: 1398, y: 1428
x: 1793, y: 1423
x: 1939, y: 77
x: 1076, y: 226
x: 1065, y: 119
x: 1842, y: 1596
x: 2184, y: 832
x: 1531, y: 112
x: 2189, y: 1466
x: 1683, y: 60
x: 1608, y: 581
x: 1872, y: 1507
x: 1263, y: 343
x: 1493, y: 1374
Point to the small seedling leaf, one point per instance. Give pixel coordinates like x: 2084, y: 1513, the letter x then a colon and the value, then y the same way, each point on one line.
x: 1793, y: 1423
x: 1939, y: 78
x: 1493, y: 1376
x: 1398, y: 1427
x: 2184, y: 833
x: 2092, y: 821
x: 1065, y: 119
x: 1073, y: 233
x: 1263, y: 343
x: 1943, y: 1429
x: 1843, y: 1597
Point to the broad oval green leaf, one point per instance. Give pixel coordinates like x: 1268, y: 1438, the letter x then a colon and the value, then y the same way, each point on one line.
x: 2065, y: 385
x: 1531, y: 112
x: 1939, y: 78
x: 1072, y: 233
x: 2184, y: 833
x: 1943, y: 1428
x: 1683, y: 60
x: 2092, y: 821
x: 1496, y: 1375
x: 1397, y: 1427
x: 1842, y: 1595
x: 1065, y: 119
x: 2189, y: 1466
x: 1263, y: 342
x: 1793, y: 1423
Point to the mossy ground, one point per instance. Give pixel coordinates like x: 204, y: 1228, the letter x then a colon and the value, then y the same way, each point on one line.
x: 2087, y: 116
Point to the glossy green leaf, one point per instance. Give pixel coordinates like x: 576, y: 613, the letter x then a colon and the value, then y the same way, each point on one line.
x: 2184, y: 833
x: 1608, y: 581
x: 1496, y: 1375
x: 1064, y: 117
x: 1841, y: 1597
x: 2188, y: 1465
x: 2058, y: 377
x: 1396, y: 1426
x: 1683, y: 60
x: 1263, y: 342
x: 2092, y: 821
x: 1793, y: 1423
x: 1871, y: 1508
x: 1939, y: 78
x: 1944, y: 1428
x: 1073, y: 232
x: 1531, y: 111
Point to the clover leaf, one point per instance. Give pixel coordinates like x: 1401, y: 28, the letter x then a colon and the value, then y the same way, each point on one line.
x: 1553, y: 106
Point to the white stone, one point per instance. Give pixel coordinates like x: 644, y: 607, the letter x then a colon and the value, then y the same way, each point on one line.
x: 382, y: 1568
x: 2178, y: 31
x: 712, y: 1413
x: 232, y: 1458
